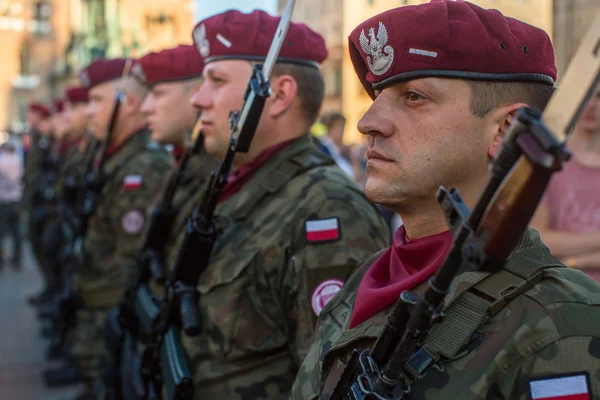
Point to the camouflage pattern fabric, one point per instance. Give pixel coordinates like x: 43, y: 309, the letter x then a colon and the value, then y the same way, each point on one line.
x: 134, y: 173
x: 550, y: 331
x: 88, y: 344
x: 261, y: 292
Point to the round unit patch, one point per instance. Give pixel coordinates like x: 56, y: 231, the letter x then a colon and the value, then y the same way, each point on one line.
x: 133, y: 222
x: 323, y: 293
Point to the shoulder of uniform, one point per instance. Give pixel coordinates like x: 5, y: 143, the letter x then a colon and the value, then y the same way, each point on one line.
x: 569, y: 298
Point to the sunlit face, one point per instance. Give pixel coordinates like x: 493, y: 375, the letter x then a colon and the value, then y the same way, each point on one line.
x: 169, y: 112
x: 75, y: 117
x: 422, y: 134
x: 590, y: 117
x: 221, y: 91
x: 99, y: 108
x: 59, y: 125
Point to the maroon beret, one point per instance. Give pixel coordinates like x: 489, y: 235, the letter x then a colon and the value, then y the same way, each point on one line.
x: 171, y: 65
x: 102, y: 70
x: 447, y: 38
x: 58, y: 106
x: 235, y: 35
x: 40, y: 109
x: 76, y: 94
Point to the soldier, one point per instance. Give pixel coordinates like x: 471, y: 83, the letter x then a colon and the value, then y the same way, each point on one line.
x: 134, y: 169
x: 294, y: 225
x: 38, y: 121
x: 442, y: 103
x: 69, y: 129
x: 172, y: 76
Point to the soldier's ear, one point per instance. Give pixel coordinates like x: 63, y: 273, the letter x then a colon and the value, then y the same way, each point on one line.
x: 506, y: 115
x: 283, y: 92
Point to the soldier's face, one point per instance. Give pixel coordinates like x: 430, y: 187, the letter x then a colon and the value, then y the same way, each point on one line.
x: 221, y: 92
x: 75, y: 118
x: 590, y: 117
x: 59, y: 125
x: 99, y: 108
x: 169, y: 112
x: 33, y: 118
x: 422, y: 134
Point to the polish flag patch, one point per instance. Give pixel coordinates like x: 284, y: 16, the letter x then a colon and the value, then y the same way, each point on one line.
x: 322, y: 230
x: 573, y: 387
x: 133, y: 182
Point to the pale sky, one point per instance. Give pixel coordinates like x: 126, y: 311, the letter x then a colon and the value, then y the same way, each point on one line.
x: 206, y: 8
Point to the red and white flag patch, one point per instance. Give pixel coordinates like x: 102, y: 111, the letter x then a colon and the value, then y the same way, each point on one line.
x: 133, y: 182
x: 322, y: 230
x: 573, y: 387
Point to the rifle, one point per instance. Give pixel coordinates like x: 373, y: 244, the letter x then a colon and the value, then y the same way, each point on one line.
x: 122, y: 326
x: 483, y: 239
x: 66, y: 302
x: 164, y: 363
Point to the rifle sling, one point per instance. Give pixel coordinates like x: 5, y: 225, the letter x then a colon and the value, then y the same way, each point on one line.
x: 483, y: 301
x: 279, y: 176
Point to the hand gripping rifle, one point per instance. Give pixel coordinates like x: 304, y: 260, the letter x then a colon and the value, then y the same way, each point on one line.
x: 181, y: 306
x: 92, y: 185
x: 533, y: 149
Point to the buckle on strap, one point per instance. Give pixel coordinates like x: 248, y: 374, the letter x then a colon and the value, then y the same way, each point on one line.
x: 504, y: 286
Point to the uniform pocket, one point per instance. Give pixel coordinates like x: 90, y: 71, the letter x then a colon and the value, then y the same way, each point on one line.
x: 235, y: 320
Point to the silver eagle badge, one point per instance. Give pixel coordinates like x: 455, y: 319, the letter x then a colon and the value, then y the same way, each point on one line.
x: 202, y: 43
x: 380, y: 55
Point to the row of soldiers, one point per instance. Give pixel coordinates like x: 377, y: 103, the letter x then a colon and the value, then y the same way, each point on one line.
x: 284, y: 294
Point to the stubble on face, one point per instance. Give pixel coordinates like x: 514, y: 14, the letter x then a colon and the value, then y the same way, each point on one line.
x: 423, y: 135
x: 221, y: 92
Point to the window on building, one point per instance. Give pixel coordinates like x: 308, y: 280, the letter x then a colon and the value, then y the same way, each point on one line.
x: 42, y: 13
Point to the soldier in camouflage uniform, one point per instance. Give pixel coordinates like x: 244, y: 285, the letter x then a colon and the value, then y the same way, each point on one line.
x: 292, y: 224
x: 134, y: 169
x: 70, y: 126
x: 38, y: 120
x: 172, y: 76
x: 441, y: 105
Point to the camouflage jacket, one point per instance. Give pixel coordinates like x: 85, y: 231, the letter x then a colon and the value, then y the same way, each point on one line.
x: 269, y: 276
x: 133, y: 174
x: 548, y: 332
x: 73, y: 168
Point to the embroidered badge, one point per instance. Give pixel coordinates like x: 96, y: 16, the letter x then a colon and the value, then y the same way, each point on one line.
x: 380, y: 55
x: 133, y: 222
x: 202, y: 43
x: 324, y: 293
x: 322, y: 230
x: 133, y: 182
x: 566, y: 387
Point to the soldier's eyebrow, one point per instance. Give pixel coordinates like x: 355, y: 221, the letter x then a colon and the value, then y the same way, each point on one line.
x: 213, y: 73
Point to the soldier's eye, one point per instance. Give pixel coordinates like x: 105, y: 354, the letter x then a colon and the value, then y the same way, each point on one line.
x: 414, y: 96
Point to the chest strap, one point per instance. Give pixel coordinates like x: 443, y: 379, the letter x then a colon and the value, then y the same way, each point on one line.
x: 483, y: 301
x: 278, y: 177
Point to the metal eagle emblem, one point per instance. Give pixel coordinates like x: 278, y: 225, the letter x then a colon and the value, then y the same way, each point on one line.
x: 202, y: 43
x: 380, y: 55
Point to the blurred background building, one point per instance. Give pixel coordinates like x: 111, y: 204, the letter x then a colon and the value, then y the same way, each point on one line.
x: 46, y: 42
x: 565, y: 21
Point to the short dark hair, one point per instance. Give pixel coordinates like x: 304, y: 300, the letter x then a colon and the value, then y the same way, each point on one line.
x: 330, y: 118
x: 311, y: 87
x: 486, y: 96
